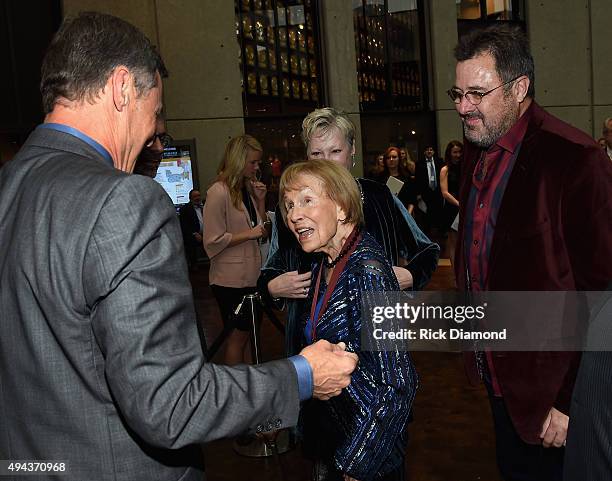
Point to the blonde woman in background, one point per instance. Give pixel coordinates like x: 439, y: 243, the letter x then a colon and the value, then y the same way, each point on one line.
x: 407, y: 162
x: 233, y: 219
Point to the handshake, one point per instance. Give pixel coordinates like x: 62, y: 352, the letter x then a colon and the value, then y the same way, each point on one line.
x: 332, y: 367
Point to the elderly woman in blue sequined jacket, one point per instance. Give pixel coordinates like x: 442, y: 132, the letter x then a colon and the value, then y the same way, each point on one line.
x: 360, y: 435
x: 285, y: 278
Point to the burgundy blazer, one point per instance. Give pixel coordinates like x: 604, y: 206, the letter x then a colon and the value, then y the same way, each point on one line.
x: 553, y: 232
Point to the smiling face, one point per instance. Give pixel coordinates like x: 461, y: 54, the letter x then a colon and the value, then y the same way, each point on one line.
x: 485, y: 123
x: 313, y: 217
x: 331, y: 145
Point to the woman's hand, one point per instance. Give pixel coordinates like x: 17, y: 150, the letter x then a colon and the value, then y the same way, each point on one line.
x: 348, y: 478
x: 257, y: 232
x: 404, y: 277
x: 259, y: 190
x: 290, y: 284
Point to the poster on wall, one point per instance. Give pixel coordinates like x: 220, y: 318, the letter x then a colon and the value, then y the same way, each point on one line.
x: 177, y: 172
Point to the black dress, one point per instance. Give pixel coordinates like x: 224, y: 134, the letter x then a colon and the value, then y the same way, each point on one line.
x: 450, y: 210
x: 408, y: 194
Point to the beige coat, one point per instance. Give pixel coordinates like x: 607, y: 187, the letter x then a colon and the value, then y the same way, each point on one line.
x: 236, y: 266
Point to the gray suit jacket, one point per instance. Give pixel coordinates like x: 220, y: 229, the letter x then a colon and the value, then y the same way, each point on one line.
x: 100, y: 361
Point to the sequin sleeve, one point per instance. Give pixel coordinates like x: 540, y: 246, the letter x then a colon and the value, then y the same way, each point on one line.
x: 382, y: 388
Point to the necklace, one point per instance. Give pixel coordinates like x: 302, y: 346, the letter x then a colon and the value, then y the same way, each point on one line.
x: 348, y: 246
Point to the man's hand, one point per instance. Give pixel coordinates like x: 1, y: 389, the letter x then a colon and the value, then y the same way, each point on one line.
x: 291, y: 285
x: 198, y: 237
x: 404, y: 277
x: 331, y: 368
x: 554, y: 429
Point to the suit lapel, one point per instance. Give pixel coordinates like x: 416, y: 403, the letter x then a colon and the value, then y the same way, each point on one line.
x: 509, y: 217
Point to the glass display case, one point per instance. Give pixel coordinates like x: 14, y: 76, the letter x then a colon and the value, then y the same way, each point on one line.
x: 474, y: 13
x: 279, y: 56
x: 391, y: 71
x: 490, y: 10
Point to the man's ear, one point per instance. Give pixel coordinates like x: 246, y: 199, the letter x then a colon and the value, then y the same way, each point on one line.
x: 121, y: 83
x: 521, y: 87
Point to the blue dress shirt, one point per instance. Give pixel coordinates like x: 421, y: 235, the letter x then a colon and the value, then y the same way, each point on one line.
x: 304, y: 374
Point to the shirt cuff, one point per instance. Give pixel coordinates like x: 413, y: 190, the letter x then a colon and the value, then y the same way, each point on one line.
x: 304, y: 375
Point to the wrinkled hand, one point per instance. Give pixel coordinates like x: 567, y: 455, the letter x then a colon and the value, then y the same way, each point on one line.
x: 331, y: 368
x: 554, y: 429
x: 404, y: 277
x: 291, y: 285
x: 257, y: 232
x: 259, y: 190
x: 348, y: 478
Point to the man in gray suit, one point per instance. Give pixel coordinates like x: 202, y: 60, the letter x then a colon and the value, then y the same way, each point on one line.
x: 100, y: 361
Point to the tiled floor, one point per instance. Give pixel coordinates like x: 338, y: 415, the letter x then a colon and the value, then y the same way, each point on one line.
x: 450, y: 438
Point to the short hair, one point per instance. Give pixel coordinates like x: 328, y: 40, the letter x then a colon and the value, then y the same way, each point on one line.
x: 338, y: 184
x: 231, y: 168
x: 605, y: 128
x: 509, y: 47
x: 84, y: 52
x: 192, y: 191
x: 325, y: 119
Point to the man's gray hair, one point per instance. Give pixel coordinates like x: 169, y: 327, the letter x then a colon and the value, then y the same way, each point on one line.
x: 86, y: 50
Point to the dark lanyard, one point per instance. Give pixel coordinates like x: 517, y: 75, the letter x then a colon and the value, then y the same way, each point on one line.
x: 338, y: 268
x: 248, y: 203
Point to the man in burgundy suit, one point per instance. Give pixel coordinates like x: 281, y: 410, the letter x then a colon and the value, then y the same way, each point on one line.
x: 535, y: 216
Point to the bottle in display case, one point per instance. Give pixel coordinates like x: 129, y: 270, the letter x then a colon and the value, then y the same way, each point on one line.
x: 262, y: 56
x: 246, y: 28
x: 263, y: 84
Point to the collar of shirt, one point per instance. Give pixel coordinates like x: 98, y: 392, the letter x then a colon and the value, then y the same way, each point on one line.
x: 513, y: 138
x: 80, y: 135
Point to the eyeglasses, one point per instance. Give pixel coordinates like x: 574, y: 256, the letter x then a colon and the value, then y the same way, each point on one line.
x: 473, y: 96
x: 164, y: 139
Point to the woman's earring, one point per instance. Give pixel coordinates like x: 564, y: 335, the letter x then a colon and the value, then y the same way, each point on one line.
x: 353, y: 159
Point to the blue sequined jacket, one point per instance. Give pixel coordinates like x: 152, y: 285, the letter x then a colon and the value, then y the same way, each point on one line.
x: 362, y: 431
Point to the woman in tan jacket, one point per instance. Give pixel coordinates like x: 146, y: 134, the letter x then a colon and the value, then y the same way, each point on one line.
x: 233, y: 213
